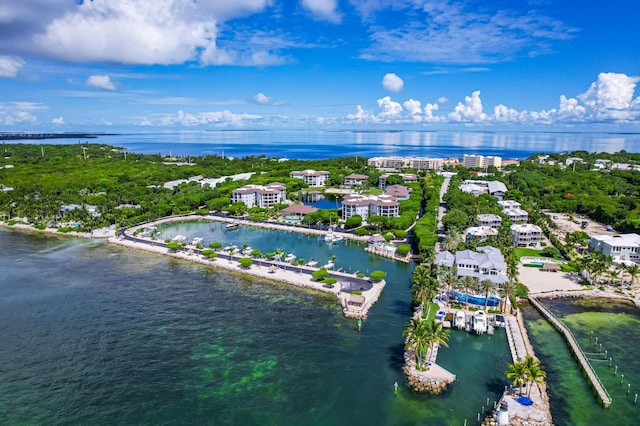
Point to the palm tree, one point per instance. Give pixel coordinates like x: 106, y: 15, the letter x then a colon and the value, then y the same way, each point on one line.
x: 487, y: 287
x: 516, y: 372
x: 436, y: 335
x: 633, y: 271
x: 614, y: 276
x: 466, y: 284
x: 506, y: 290
x: 423, y: 292
x: 534, y: 372
x: 417, y: 339
x: 448, y: 279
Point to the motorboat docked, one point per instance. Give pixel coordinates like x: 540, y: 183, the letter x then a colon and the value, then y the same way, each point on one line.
x: 290, y: 258
x: 179, y: 238
x: 480, y: 322
x: 329, y: 265
x: 331, y: 237
x: 460, y: 320
x: 440, y: 316
x: 247, y: 250
x: 499, y: 321
x: 232, y: 225
x: 312, y: 263
x: 230, y: 248
x: 197, y: 240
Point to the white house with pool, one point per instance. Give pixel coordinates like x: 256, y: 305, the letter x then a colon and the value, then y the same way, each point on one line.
x: 486, y: 264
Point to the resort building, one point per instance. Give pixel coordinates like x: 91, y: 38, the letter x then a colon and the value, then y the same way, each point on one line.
x: 426, y: 163
x: 311, y: 177
x: 299, y: 210
x: 365, y: 206
x: 480, y: 161
x: 354, y: 180
x: 260, y: 196
x: 480, y: 233
x: 406, y: 178
x: 487, y: 264
x: 91, y: 209
x: 489, y: 220
x: 509, y: 204
x: 398, y: 191
x: 622, y: 247
x: 527, y: 235
x: 478, y: 187
x: 571, y: 160
x: 390, y: 162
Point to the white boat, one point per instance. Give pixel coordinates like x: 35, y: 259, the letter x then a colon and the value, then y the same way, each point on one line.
x: 312, y: 263
x: 480, y: 322
x: 247, y: 251
x: 197, y: 240
x: 499, y: 321
x: 233, y: 225
x: 460, y: 320
x: 290, y: 258
x: 331, y: 237
x: 179, y: 238
x: 440, y: 316
x: 329, y: 265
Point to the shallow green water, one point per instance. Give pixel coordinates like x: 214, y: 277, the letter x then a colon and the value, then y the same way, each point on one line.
x: 617, y: 326
x: 98, y: 334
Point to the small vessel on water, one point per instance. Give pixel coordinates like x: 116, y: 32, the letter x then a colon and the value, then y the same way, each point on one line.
x: 232, y: 225
x: 480, y: 322
x: 290, y: 258
x: 499, y: 321
x: 440, y: 316
x: 331, y: 237
x: 312, y: 262
x: 460, y: 320
x: 197, y: 240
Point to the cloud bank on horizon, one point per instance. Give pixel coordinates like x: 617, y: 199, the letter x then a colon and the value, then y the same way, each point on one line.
x: 328, y: 62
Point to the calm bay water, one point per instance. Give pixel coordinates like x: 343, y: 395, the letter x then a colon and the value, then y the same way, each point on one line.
x: 99, y: 334
x: 316, y: 144
x: 617, y: 326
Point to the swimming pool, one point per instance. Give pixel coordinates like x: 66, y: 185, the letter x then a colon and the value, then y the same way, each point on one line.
x: 475, y: 300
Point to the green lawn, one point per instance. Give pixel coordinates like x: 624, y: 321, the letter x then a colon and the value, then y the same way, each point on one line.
x: 524, y: 251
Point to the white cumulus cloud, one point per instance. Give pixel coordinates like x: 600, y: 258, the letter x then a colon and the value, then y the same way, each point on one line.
x: 224, y: 118
x: 260, y: 99
x: 13, y: 113
x: 323, y: 9
x: 392, y: 82
x: 59, y: 120
x: 611, y: 97
x: 389, y: 109
x: 101, y: 82
x: 9, y: 66
x: 413, y: 106
x: 470, y: 110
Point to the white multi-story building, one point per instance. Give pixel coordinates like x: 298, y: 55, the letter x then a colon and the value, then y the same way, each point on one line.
x: 426, y: 163
x: 517, y: 215
x: 260, y: 196
x: 480, y: 161
x: 620, y: 247
x: 489, y: 220
x: 406, y: 178
x: 480, y: 233
x: 527, y: 235
x: 394, y: 162
x: 354, y: 179
x: 365, y: 206
x: 311, y: 177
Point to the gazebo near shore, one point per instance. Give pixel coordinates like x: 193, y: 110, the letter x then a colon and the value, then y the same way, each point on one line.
x: 550, y: 267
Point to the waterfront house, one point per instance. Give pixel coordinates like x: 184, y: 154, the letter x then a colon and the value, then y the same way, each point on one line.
x: 622, y: 247
x: 487, y: 263
x: 526, y: 235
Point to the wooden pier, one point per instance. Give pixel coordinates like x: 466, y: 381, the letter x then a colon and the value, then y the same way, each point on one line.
x: 592, y: 378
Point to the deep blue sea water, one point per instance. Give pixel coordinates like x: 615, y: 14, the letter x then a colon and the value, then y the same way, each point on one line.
x: 317, y: 144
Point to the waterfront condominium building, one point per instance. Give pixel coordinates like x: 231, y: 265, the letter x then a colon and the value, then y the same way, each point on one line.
x: 394, y: 162
x: 365, y: 206
x: 426, y: 163
x: 311, y: 177
x: 260, y: 196
x: 489, y: 220
x: 621, y: 247
x: 480, y: 161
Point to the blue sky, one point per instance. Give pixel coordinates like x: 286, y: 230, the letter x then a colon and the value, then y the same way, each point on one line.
x: 404, y: 64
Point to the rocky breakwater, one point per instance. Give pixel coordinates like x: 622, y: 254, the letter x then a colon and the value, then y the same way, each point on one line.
x: 434, y: 379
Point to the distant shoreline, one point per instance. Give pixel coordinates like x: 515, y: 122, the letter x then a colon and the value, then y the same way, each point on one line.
x: 37, y: 136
